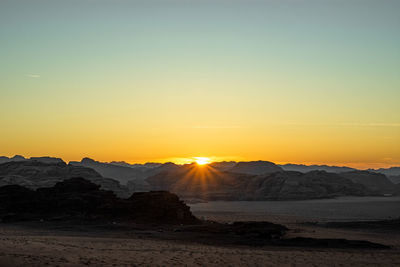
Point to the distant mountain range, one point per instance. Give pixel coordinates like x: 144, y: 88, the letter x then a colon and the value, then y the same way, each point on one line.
x: 392, y: 173
x: 219, y: 180
x: 190, y: 183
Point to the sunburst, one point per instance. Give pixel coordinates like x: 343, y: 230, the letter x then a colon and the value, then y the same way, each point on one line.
x: 202, y: 160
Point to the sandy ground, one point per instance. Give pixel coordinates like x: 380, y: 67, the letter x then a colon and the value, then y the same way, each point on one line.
x: 27, y: 246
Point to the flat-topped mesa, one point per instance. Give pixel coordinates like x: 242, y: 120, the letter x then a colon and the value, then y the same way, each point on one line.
x: 80, y: 199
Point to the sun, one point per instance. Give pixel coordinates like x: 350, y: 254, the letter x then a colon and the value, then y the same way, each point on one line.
x: 202, y: 160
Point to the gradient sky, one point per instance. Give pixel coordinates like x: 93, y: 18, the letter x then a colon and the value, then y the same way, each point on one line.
x: 298, y: 81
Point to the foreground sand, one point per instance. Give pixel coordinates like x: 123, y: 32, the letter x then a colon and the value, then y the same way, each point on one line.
x: 24, y: 246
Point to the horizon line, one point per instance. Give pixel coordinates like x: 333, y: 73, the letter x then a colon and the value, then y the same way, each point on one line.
x: 191, y: 160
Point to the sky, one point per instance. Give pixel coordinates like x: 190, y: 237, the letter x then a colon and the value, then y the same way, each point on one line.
x: 301, y: 81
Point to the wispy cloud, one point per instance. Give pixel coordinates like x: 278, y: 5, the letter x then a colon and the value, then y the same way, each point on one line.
x: 348, y: 124
x: 215, y: 127
x: 369, y: 124
x: 30, y: 75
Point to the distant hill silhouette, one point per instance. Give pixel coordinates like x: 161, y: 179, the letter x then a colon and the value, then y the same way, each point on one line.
x: 36, y: 174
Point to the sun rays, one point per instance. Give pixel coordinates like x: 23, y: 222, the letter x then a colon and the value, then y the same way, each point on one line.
x: 198, y: 178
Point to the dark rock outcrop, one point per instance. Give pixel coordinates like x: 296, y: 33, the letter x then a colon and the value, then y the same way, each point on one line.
x: 80, y: 199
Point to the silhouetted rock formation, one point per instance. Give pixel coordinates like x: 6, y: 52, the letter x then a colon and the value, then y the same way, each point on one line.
x: 255, y: 167
x: 35, y: 174
x: 210, y: 184
x: 80, y: 199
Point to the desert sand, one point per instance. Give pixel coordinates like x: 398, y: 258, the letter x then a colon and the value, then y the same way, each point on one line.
x: 29, y: 245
